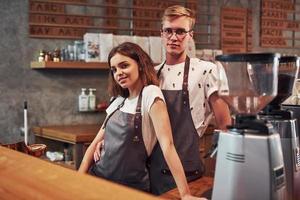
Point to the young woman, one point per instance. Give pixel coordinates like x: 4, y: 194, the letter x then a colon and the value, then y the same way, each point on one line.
x: 136, y: 120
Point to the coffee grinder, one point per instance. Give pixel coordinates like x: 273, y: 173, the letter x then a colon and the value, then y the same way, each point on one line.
x: 249, y: 159
x: 285, y: 124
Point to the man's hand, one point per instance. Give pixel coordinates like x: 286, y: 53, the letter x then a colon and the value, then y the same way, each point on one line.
x: 97, y: 153
x: 190, y: 197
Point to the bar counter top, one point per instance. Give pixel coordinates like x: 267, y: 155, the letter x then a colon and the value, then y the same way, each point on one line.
x: 28, y: 177
x: 199, y: 188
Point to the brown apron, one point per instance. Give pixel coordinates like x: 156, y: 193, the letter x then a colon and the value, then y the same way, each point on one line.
x: 124, y: 155
x: 185, y: 136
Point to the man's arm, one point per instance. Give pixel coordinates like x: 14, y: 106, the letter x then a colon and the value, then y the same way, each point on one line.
x: 221, y: 111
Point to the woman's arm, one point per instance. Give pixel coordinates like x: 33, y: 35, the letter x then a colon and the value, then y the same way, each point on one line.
x: 88, y: 156
x: 161, y: 123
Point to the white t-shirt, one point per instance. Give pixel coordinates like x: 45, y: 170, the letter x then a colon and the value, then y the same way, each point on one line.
x: 150, y: 93
x: 202, y: 82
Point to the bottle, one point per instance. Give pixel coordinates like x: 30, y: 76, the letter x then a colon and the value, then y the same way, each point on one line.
x: 67, y: 156
x: 71, y: 52
x: 48, y: 56
x: 83, y: 100
x: 41, y: 56
x: 81, y: 56
x: 62, y: 55
x: 92, y: 99
x: 75, y: 48
x: 56, y: 55
x: 79, y: 50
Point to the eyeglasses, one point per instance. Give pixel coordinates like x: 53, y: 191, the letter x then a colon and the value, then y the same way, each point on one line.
x: 179, y: 32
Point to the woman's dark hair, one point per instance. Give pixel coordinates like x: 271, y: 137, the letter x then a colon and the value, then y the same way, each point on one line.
x: 147, y: 72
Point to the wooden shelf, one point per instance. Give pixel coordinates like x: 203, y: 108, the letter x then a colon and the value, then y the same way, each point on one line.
x: 68, y: 65
x: 68, y: 133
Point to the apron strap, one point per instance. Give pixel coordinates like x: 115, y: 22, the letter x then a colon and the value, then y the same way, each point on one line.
x: 137, y: 117
x: 159, y: 71
x: 107, y: 118
x: 138, y: 114
x: 185, y: 73
x: 185, y: 92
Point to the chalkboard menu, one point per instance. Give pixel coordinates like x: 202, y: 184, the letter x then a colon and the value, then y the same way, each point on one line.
x: 71, y: 19
x: 279, y: 24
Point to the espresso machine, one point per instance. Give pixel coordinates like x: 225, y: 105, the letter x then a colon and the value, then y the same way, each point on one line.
x: 285, y: 124
x: 249, y: 160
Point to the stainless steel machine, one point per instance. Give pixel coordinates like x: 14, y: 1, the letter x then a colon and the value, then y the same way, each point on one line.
x: 249, y: 160
x: 285, y: 124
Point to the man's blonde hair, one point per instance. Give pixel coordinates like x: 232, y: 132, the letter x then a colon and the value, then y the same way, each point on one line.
x: 176, y: 11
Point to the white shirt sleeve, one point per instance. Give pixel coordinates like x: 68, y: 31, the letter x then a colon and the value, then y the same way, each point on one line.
x: 150, y: 93
x: 212, y: 79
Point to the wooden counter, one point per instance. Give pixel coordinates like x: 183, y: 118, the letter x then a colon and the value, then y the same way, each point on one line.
x: 27, y: 177
x: 198, y: 188
x: 76, y: 135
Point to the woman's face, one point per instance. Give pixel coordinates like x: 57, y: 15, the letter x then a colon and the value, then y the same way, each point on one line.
x: 125, y: 71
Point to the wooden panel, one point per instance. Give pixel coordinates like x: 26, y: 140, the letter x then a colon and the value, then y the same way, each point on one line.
x: 282, y: 5
x: 234, y: 30
x: 72, y: 1
x: 52, y: 19
x: 46, y: 7
x: 271, y: 32
x: 249, y: 31
x: 39, y: 31
x: 274, y: 14
x: 280, y: 24
x: 278, y: 21
x: 61, y: 19
x: 27, y: 177
x: 273, y: 42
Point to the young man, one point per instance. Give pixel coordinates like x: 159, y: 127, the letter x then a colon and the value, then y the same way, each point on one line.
x: 190, y: 90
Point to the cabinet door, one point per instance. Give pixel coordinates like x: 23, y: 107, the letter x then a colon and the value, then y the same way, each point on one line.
x: 205, y: 145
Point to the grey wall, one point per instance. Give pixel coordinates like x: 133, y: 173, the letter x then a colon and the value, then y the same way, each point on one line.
x: 52, y: 94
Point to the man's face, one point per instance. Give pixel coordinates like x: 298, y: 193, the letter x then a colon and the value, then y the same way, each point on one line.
x: 175, y: 35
